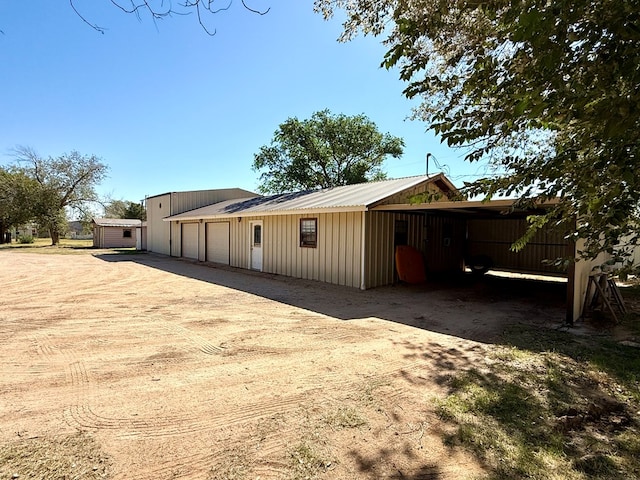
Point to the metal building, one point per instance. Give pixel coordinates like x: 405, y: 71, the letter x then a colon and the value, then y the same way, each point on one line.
x: 348, y: 235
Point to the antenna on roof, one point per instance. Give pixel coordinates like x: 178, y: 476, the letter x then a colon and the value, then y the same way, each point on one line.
x: 443, y: 168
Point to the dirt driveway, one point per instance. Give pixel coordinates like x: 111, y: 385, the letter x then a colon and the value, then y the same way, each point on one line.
x: 148, y: 367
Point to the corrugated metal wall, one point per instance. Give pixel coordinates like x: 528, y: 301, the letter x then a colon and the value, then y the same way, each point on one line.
x: 158, y: 239
x: 444, y: 244
x: 113, y: 237
x: 185, y: 201
x: 380, y: 249
x: 494, y: 237
x: 336, y: 259
x: 164, y: 237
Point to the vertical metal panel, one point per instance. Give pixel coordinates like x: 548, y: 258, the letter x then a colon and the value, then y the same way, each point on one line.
x: 380, y: 248
x: 185, y: 201
x: 494, y: 237
x: 176, y: 239
x: 113, y: 237
x: 444, y: 245
x: 158, y: 231
x: 239, y: 241
x: 336, y: 259
x: 379, y: 254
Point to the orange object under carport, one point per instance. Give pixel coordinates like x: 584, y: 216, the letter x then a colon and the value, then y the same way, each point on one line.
x: 410, y: 265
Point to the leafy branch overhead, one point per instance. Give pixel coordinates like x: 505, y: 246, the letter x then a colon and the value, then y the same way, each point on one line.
x: 324, y: 151
x: 547, y: 92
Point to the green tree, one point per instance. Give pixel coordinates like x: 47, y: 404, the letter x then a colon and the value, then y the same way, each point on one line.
x: 125, y: 209
x: 66, y: 181
x: 17, y: 191
x: 546, y: 92
x: 324, y: 151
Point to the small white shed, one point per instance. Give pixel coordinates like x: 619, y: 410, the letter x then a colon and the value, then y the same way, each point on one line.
x: 116, y: 232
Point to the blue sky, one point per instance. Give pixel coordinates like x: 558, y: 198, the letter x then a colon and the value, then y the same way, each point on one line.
x: 170, y: 108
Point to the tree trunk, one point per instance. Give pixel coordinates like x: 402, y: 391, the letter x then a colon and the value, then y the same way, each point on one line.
x: 55, y: 236
x: 2, y: 230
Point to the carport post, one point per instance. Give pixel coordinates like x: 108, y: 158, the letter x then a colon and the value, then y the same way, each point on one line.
x: 571, y: 291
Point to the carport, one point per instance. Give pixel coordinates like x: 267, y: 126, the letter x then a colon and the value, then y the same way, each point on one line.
x: 479, y: 234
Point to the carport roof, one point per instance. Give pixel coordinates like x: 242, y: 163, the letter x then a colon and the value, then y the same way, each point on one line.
x: 359, y: 197
x: 465, y: 206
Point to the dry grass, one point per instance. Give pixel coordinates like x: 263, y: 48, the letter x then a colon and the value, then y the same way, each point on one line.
x: 43, y: 245
x: 67, y: 246
x: 72, y: 456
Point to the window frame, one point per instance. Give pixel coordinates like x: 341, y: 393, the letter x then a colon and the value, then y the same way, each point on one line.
x: 126, y: 231
x: 305, y: 242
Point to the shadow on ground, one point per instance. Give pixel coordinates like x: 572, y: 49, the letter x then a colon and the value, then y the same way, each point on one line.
x: 465, y: 306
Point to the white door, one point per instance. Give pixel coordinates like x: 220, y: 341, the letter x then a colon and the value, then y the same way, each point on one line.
x: 256, y: 246
x: 190, y: 240
x: 218, y: 242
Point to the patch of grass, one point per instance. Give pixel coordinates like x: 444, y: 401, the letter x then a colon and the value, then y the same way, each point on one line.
x: 66, y: 247
x: 564, y: 407
x: 366, y: 394
x: 344, y: 417
x: 72, y: 456
x: 235, y: 467
x: 43, y: 245
x: 306, y: 462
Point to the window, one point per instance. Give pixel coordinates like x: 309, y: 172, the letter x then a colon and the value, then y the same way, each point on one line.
x: 309, y: 232
x: 401, y: 233
x: 257, y: 235
x: 126, y: 234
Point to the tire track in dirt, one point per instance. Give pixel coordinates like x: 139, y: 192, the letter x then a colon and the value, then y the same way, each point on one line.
x: 82, y: 414
x: 201, y: 343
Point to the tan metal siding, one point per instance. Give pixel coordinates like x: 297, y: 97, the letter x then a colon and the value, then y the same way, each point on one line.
x: 114, y: 238
x: 337, y: 258
x: 380, y: 248
x: 239, y: 242
x: 444, y: 245
x: 494, y: 237
x: 158, y: 231
x: 184, y: 201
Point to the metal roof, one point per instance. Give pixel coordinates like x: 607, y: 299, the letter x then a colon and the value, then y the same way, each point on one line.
x: 346, y: 198
x: 117, y: 222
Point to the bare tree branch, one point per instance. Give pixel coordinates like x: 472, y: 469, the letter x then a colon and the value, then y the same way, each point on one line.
x: 92, y: 25
x: 137, y: 7
x: 255, y: 11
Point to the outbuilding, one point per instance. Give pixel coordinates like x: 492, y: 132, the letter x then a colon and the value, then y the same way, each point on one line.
x: 116, y: 232
x: 349, y: 235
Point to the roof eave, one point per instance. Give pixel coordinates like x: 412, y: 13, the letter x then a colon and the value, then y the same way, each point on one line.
x: 272, y: 213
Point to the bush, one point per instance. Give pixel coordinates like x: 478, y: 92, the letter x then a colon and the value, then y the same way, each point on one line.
x: 26, y: 239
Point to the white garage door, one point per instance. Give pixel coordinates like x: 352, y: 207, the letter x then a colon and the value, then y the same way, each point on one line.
x: 190, y: 240
x: 218, y: 242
